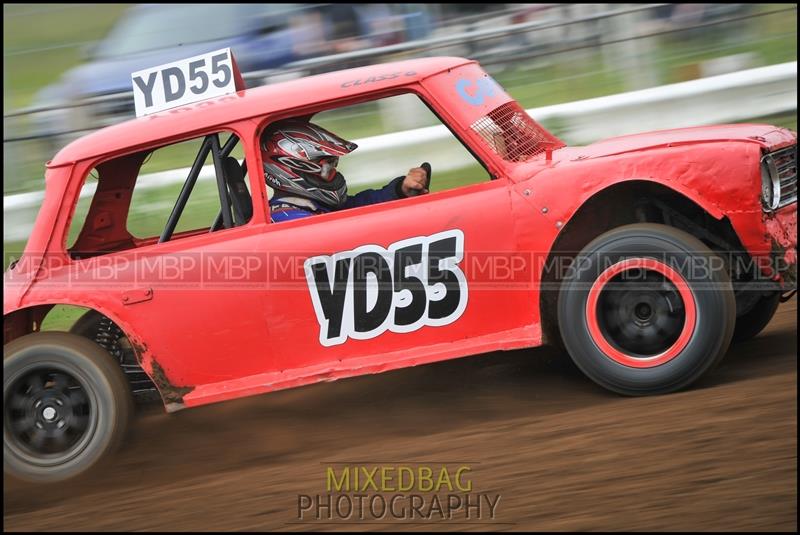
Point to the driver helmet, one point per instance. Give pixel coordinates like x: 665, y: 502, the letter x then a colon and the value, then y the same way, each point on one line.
x: 300, y: 158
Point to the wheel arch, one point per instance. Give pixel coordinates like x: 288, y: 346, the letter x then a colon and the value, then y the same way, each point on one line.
x: 621, y: 203
x: 29, y: 318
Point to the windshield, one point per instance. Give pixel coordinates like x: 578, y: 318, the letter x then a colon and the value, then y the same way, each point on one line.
x: 165, y: 26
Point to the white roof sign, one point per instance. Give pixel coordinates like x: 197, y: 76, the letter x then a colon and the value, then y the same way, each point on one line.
x: 186, y: 81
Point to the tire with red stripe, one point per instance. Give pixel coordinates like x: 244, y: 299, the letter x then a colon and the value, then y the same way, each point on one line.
x: 646, y: 309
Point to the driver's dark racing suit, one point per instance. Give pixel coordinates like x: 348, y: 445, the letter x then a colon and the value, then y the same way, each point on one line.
x: 288, y: 208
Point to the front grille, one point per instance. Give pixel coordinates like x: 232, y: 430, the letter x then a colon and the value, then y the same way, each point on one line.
x: 785, y: 163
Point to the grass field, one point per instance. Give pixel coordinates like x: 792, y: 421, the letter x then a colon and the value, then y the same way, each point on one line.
x: 42, y: 41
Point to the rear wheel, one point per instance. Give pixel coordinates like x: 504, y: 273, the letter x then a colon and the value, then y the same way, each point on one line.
x: 646, y: 309
x: 66, y: 406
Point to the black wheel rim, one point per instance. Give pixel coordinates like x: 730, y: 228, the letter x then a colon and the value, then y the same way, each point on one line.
x: 49, y: 415
x: 641, y: 312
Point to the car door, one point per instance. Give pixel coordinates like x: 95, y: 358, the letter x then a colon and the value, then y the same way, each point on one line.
x: 398, y: 283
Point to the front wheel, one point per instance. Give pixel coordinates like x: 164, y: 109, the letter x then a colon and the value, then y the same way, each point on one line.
x: 646, y: 309
x: 66, y: 406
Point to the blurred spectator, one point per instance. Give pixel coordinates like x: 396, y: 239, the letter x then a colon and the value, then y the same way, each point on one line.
x: 308, y: 34
x: 687, y: 14
x: 381, y: 25
x: 349, y: 27
x: 343, y: 27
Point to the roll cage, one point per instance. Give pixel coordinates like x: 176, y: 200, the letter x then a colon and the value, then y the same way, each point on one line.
x: 235, y: 202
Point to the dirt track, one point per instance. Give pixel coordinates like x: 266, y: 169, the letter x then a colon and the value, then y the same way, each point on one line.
x: 562, y: 453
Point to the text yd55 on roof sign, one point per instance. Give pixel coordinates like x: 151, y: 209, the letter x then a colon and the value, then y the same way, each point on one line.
x: 186, y: 81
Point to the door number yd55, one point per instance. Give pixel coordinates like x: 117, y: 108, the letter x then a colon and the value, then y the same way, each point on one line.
x: 364, y: 292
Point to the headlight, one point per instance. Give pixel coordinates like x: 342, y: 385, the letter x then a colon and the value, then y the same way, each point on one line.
x: 770, y: 185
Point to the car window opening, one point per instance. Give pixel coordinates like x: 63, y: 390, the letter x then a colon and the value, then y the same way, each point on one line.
x: 130, y: 199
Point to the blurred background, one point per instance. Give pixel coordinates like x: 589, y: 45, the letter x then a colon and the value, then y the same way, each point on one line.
x: 66, y: 68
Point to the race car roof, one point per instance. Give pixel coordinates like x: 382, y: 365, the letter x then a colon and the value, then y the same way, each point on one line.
x: 249, y: 103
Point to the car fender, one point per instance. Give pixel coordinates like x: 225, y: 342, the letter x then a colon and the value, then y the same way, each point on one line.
x: 15, y: 325
x: 721, y: 178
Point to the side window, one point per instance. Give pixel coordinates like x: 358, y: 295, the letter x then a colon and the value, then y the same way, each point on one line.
x: 161, y: 195
x: 163, y: 176
x: 383, y: 158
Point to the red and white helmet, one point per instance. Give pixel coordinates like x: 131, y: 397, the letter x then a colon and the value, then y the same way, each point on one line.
x: 300, y: 158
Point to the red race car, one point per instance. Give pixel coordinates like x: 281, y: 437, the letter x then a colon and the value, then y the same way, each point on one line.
x: 642, y: 256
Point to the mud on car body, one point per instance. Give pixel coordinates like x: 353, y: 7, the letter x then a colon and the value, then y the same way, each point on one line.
x: 643, y: 256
